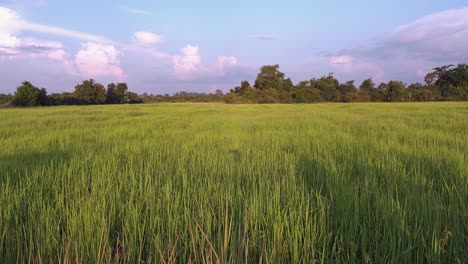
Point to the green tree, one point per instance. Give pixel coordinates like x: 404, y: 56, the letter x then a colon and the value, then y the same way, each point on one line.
x: 133, y: 98
x: 121, y: 91
x: 307, y: 95
x: 90, y: 92
x: 269, y: 77
x: 328, y: 86
x: 348, y: 92
x: 111, y: 95
x: 396, y: 92
x: 28, y: 95
x: 245, y: 86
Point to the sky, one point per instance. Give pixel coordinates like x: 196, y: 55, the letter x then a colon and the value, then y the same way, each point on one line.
x: 167, y: 46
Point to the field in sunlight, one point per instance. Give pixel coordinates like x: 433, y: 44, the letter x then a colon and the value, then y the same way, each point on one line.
x: 165, y: 183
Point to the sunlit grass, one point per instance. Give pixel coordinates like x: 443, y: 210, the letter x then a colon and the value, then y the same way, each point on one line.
x: 370, y: 183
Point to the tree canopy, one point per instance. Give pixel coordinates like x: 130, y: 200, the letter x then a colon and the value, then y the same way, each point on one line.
x: 445, y: 83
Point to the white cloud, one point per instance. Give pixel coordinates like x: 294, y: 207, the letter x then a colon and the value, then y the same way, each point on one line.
x: 62, y: 32
x: 440, y: 34
x: 348, y: 69
x: 187, y: 64
x: 224, y: 63
x: 146, y: 38
x: 58, y: 55
x: 95, y: 60
x: 409, y: 51
x: 11, y: 24
x: 341, y: 59
x: 8, y: 30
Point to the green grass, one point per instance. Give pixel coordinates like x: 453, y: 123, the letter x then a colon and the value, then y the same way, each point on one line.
x: 325, y: 183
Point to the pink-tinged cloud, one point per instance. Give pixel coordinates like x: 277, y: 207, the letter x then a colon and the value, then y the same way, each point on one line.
x: 349, y: 69
x: 224, y: 63
x: 95, y: 60
x: 187, y: 65
x: 341, y: 59
x: 146, y: 38
x: 410, y: 51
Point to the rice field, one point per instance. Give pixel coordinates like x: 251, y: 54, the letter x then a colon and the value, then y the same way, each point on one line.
x: 213, y: 183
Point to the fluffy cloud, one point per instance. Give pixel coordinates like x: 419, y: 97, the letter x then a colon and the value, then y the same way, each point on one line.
x: 8, y: 29
x: 441, y: 34
x: 348, y: 68
x: 409, y: 51
x: 50, y: 64
x: 341, y: 60
x: 146, y: 38
x: 188, y: 63
x: 225, y: 62
x: 96, y: 60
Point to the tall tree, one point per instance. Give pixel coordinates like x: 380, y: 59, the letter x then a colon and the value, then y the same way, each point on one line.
x: 328, y: 86
x: 121, y: 91
x: 28, y: 95
x: 111, y: 96
x: 269, y: 77
x: 90, y: 92
x: 396, y: 92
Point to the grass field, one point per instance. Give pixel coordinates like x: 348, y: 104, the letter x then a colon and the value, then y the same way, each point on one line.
x: 324, y: 183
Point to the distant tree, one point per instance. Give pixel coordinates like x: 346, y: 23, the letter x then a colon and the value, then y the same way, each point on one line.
x: 219, y: 92
x: 367, y: 91
x: 245, y: 86
x: 29, y: 95
x: 396, y: 92
x: 348, y: 92
x: 367, y: 85
x: 328, y: 86
x: 121, y: 91
x: 90, y: 92
x: 307, y: 95
x: 133, y: 98
x: 6, y: 99
x: 111, y: 95
x: 430, y: 78
x: 288, y: 85
x: 452, y: 81
x: 269, y: 77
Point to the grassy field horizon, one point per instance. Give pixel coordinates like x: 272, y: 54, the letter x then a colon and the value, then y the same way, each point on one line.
x: 221, y: 183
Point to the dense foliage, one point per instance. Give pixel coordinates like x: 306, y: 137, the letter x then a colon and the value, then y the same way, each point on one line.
x: 185, y: 183
x: 87, y: 93
x: 446, y: 83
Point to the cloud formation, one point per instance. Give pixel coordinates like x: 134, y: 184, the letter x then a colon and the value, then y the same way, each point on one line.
x: 409, y: 51
x: 146, y: 38
x: 96, y: 60
x: 188, y: 63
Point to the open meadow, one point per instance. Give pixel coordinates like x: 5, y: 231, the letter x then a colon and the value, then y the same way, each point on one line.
x: 165, y: 183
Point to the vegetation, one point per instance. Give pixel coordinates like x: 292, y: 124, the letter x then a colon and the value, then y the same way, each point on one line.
x: 87, y: 93
x: 166, y: 183
x: 446, y: 83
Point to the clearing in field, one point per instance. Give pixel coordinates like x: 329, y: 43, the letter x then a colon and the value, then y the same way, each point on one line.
x: 371, y: 183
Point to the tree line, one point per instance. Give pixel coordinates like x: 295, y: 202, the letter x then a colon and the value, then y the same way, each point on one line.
x: 87, y: 93
x: 446, y: 83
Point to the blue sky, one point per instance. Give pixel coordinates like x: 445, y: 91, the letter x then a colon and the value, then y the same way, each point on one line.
x: 169, y: 46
